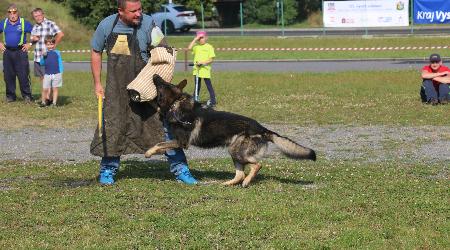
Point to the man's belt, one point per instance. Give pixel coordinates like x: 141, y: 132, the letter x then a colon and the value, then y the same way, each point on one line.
x: 14, y: 48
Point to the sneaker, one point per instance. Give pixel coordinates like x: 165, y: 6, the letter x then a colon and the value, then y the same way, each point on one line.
x: 444, y: 101
x: 42, y: 105
x: 28, y: 99
x: 106, y: 177
x: 186, y: 177
x: 434, y: 102
x: 9, y: 100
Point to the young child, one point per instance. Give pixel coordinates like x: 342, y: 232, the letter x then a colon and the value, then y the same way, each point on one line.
x: 203, y: 57
x: 52, y: 62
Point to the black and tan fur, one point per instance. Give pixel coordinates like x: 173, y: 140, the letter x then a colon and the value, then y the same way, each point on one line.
x: 192, y: 124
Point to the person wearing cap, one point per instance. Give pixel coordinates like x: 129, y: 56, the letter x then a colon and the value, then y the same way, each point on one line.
x: 43, y: 28
x: 15, y: 54
x: 436, y: 77
x: 203, y: 53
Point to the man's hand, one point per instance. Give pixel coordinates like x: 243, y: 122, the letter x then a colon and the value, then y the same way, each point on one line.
x: 26, y: 47
x: 35, y: 38
x: 99, y: 92
x: 2, y: 47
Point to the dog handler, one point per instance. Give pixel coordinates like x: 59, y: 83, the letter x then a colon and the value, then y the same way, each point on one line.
x: 128, y: 127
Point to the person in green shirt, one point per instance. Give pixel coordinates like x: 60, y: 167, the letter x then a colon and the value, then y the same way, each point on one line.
x: 203, y: 53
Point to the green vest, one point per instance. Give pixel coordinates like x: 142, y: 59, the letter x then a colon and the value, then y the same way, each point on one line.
x: 22, y: 23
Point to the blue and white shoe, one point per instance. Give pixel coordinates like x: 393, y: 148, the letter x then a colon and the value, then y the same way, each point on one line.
x: 106, y: 177
x: 186, y: 177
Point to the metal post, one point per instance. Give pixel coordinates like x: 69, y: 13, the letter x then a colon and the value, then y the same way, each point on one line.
x: 412, y: 17
x: 203, y: 18
x: 323, y: 24
x: 165, y: 20
x: 278, y: 12
x: 186, y: 60
x: 242, y: 19
x: 282, y: 19
x: 366, y: 33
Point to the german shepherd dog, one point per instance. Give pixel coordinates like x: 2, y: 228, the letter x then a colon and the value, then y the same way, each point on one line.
x: 192, y: 124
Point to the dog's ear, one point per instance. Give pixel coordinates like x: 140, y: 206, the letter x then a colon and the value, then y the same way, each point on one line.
x: 158, y: 80
x: 182, y: 84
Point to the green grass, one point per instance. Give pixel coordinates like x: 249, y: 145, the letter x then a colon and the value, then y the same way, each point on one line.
x: 75, y: 34
x: 345, y: 98
x: 322, y: 205
x: 300, y: 42
x: 220, y: 42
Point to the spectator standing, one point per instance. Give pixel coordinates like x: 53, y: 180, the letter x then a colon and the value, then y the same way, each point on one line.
x: 128, y: 127
x: 15, y: 54
x: 53, y: 67
x: 435, y: 79
x: 203, y: 53
x: 41, y: 29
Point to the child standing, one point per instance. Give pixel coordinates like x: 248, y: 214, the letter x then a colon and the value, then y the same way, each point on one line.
x: 203, y: 57
x: 52, y: 62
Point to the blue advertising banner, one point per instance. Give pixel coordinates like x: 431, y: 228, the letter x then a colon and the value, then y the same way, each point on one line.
x: 431, y: 11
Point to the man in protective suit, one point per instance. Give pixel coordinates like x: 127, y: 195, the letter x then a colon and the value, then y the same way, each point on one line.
x: 128, y: 127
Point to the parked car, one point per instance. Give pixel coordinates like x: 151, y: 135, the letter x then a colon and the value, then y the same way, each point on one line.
x: 173, y: 17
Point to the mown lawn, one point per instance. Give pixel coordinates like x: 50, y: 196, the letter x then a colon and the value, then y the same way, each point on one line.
x: 349, y: 98
x: 422, y: 48
x: 322, y: 205
x: 328, y: 204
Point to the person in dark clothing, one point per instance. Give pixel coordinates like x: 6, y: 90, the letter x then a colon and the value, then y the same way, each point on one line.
x: 15, y: 54
x: 128, y: 127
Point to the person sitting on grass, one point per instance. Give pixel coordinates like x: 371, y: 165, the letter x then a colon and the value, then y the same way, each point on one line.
x: 53, y: 69
x: 436, y: 77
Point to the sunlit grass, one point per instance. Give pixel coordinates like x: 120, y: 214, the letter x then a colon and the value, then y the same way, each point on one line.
x: 291, y: 205
x: 357, y: 98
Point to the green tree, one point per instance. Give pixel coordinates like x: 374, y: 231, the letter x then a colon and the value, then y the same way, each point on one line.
x: 307, y: 7
x: 265, y: 11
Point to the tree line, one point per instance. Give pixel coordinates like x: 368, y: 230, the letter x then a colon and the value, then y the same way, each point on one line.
x: 255, y: 11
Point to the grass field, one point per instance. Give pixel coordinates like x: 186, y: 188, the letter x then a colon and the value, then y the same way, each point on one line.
x: 347, y: 98
x: 328, y: 204
x: 302, y: 42
x: 322, y: 205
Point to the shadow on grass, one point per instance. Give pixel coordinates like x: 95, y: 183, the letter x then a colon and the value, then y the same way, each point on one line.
x: 62, y: 100
x: 155, y: 169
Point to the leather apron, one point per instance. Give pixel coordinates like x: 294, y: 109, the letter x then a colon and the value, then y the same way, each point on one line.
x: 129, y: 127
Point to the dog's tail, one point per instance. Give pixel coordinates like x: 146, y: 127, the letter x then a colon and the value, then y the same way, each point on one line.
x: 290, y: 148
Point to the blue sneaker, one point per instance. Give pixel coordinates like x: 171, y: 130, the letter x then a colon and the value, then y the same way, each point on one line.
x: 185, y: 177
x: 106, y: 177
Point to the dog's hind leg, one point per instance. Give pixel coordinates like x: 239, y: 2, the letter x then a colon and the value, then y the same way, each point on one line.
x: 240, y: 175
x: 254, y: 169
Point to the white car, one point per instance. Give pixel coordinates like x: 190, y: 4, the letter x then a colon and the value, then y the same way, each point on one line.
x: 173, y: 17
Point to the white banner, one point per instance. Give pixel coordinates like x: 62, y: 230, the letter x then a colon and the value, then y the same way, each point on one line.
x: 370, y: 13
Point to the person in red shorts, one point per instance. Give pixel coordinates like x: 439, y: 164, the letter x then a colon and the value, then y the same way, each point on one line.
x: 436, y: 79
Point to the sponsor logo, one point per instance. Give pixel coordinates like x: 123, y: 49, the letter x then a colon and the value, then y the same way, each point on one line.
x: 400, y: 5
x: 331, y: 6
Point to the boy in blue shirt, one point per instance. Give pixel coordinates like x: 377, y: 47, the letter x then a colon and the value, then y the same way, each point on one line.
x: 52, y: 62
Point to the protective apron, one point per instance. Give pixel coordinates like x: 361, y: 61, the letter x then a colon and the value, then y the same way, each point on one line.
x: 129, y: 127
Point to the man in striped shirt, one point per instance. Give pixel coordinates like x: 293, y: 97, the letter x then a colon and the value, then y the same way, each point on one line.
x: 41, y: 29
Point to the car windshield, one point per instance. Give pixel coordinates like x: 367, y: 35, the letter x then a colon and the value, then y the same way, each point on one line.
x: 180, y: 8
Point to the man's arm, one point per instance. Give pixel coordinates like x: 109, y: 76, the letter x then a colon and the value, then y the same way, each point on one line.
x: 2, y: 45
x: 442, y: 79
x: 58, y: 37
x: 430, y: 75
x: 96, y: 68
